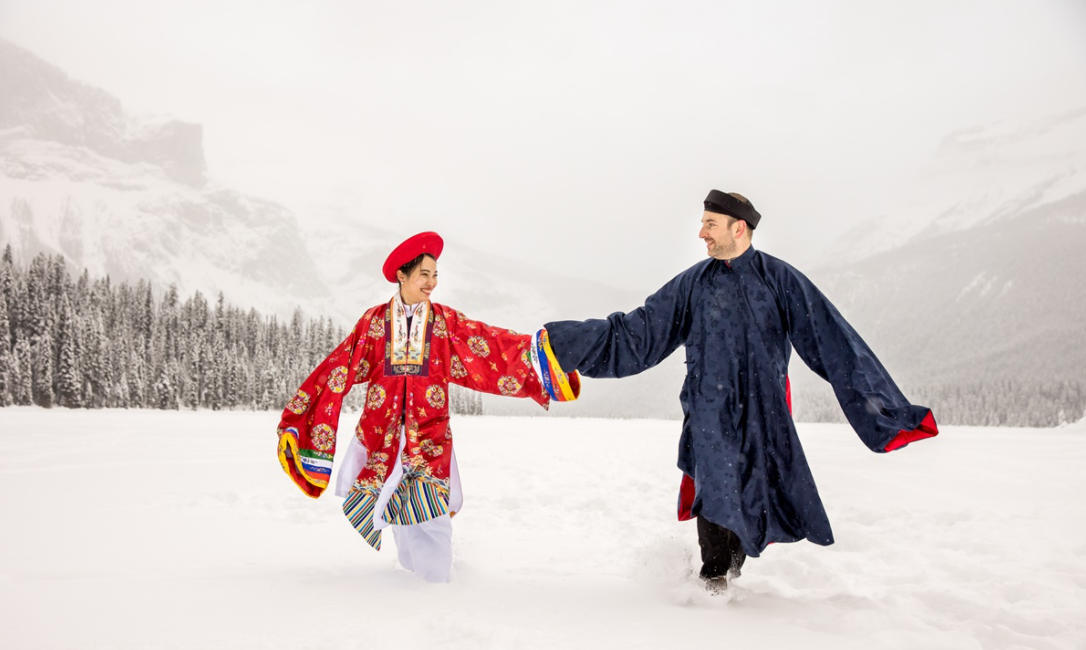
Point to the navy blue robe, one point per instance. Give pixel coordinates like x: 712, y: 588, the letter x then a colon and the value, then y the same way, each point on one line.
x: 739, y: 322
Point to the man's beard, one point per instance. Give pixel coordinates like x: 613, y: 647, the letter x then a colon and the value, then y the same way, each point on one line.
x: 723, y: 250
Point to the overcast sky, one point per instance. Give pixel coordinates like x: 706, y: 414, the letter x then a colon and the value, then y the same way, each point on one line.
x: 591, y: 128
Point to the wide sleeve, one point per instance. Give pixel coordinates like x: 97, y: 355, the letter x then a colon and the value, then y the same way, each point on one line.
x: 491, y: 360
x: 307, y: 428
x: 625, y: 344
x: 873, y: 404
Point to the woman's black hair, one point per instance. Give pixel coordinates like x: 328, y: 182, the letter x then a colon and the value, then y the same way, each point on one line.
x: 409, y: 268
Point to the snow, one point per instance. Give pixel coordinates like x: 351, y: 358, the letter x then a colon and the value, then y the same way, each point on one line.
x: 151, y: 529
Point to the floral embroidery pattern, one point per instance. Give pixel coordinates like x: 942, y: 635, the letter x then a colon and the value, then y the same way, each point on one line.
x: 416, y: 465
x: 458, y: 370
x: 409, y: 347
x: 376, y: 397
x: 377, y: 328
x: 362, y: 372
x: 337, y: 381
x: 368, y: 484
x: 429, y: 448
x: 479, y: 346
x: 377, y: 463
x: 440, y: 329
x: 435, y: 396
x: 299, y: 403
x: 323, y: 437
x: 508, y: 386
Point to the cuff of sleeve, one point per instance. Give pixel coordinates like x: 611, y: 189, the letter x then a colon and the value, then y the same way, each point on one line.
x: 927, y: 429
x: 305, y: 473
x: 561, y: 386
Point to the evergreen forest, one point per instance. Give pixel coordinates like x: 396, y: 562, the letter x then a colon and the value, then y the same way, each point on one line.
x: 82, y: 342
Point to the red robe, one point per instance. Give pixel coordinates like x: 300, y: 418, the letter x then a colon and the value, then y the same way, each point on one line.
x: 408, y: 373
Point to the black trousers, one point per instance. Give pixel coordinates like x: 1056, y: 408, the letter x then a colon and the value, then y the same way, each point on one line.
x: 721, y: 551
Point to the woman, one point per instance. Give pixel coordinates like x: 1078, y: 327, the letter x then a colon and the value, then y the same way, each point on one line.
x: 400, y: 469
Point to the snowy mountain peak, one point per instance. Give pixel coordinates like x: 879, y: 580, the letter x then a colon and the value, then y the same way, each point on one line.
x: 128, y: 196
x: 978, y: 176
x: 41, y: 102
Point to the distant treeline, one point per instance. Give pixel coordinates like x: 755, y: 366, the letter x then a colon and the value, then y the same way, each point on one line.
x: 90, y: 343
x: 978, y: 402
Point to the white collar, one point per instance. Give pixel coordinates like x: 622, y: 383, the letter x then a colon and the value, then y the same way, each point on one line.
x: 408, y: 310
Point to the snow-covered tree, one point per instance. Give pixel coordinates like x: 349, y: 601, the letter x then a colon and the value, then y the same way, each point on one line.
x: 42, y: 368
x: 5, y: 351
x: 69, y: 376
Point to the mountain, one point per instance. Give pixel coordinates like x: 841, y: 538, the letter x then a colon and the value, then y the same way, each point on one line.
x: 130, y: 197
x: 978, y: 176
x: 981, y: 293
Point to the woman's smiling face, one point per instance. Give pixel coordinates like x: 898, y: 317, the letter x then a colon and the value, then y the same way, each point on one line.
x: 417, y: 287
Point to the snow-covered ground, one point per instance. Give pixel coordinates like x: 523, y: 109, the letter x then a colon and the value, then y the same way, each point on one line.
x: 149, y: 529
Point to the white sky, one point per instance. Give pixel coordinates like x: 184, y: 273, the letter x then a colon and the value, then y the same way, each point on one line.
x: 595, y: 128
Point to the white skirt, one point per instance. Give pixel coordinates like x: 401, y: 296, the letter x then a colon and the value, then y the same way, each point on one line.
x: 424, y: 548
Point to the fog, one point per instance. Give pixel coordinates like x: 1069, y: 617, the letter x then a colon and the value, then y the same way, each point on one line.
x: 578, y: 135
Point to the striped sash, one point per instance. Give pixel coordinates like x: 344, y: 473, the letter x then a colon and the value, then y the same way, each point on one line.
x: 359, y: 510
x: 416, y: 499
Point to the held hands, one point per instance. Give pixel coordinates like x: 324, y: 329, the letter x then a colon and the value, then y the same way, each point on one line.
x: 560, y: 386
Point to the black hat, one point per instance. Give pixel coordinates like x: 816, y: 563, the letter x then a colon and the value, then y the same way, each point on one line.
x: 722, y: 203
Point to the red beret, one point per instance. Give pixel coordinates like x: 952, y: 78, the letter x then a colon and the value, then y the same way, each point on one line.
x: 424, y: 242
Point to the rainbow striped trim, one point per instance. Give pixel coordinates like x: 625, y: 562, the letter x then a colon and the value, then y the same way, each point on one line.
x: 415, y: 501
x: 316, y: 465
x: 561, y: 387
x: 359, y: 511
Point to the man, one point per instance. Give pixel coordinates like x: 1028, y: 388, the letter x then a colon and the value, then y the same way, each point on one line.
x: 739, y: 314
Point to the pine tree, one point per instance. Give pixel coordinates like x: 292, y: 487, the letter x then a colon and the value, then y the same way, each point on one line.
x: 165, y: 391
x: 98, y: 378
x: 39, y: 316
x: 69, y: 378
x: 22, y: 381
x: 193, y: 386
x: 6, y: 362
x: 217, y: 371
x: 19, y: 311
x: 136, y: 376
x: 144, y: 317
x: 43, y: 370
x: 7, y: 296
x: 22, y: 377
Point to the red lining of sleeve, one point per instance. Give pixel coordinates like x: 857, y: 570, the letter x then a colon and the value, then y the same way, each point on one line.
x: 927, y: 429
